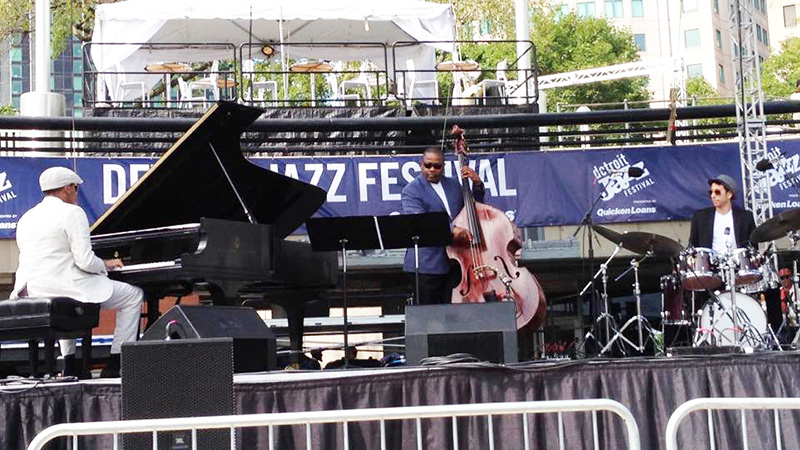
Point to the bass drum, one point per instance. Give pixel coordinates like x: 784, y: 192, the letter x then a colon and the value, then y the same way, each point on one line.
x: 716, y: 327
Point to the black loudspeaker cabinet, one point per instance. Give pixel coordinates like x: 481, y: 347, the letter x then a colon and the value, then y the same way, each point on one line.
x: 253, y: 342
x: 180, y: 378
x: 486, y: 330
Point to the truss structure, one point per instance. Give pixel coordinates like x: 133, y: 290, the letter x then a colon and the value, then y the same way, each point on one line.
x: 750, y: 116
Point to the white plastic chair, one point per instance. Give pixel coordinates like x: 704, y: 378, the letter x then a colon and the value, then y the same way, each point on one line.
x: 187, y: 98
x: 360, y: 82
x: 501, y: 82
x: 339, y: 97
x: 258, y: 85
x: 208, y: 83
x: 422, y: 85
x: 123, y: 86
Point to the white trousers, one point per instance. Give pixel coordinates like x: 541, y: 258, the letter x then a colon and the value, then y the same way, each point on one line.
x: 127, y: 300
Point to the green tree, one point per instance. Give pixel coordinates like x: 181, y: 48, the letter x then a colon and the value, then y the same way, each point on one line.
x: 70, y: 18
x: 781, y: 70
x: 567, y: 43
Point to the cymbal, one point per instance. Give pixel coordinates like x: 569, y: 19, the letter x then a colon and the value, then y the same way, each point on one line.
x: 643, y: 242
x: 777, y: 227
x: 608, y: 233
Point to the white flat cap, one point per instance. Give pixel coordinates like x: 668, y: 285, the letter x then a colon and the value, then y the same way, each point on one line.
x: 58, y: 177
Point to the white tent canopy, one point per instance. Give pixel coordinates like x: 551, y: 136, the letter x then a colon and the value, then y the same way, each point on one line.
x: 304, y: 21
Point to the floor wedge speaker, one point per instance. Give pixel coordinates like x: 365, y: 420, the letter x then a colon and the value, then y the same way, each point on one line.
x: 253, y: 341
x: 488, y: 331
x: 180, y: 378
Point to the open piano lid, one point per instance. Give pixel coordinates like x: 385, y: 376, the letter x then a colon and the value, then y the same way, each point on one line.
x: 187, y: 183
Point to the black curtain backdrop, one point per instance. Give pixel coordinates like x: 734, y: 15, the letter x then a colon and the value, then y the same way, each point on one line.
x: 651, y: 388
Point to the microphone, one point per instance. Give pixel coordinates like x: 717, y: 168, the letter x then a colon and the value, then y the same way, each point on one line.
x: 767, y: 163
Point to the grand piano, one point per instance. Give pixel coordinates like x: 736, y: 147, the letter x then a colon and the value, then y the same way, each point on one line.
x: 203, y: 218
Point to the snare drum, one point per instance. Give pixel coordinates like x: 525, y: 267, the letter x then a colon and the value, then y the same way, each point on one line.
x: 699, y: 269
x: 721, y: 326
x: 747, y: 263
x: 672, y: 299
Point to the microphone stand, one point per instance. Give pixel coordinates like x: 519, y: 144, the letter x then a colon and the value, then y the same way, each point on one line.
x: 587, y: 222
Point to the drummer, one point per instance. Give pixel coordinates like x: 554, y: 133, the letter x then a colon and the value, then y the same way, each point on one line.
x: 722, y: 227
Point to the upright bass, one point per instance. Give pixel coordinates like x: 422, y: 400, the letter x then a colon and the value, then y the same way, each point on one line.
x: 488, y: 262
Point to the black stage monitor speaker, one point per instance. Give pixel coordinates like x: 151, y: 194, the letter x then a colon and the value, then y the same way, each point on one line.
x: 253, y: 341
x: 180, y: 378
x: 486, y: 330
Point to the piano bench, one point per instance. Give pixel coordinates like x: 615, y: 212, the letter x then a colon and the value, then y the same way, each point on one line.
x: 48, y: 319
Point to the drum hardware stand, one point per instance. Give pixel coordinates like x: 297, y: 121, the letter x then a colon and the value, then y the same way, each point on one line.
x: 640, y: 320
x: 610, y: 323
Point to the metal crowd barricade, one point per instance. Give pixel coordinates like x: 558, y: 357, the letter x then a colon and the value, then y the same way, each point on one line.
x: 741, y: 404
x: 343, y: 417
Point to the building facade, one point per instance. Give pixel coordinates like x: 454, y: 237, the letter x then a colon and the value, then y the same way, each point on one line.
x: 16, y: 73
x: 697, y: 31
x: 783, y: 16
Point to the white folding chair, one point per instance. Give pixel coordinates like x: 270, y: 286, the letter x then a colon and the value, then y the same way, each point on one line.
x: 124, y: 86
x: 208, y: 83
x: 259, y: 85
x: 501, y: 83
x: 187, y: 98
x: 361, y: 82
x: 431, y: 86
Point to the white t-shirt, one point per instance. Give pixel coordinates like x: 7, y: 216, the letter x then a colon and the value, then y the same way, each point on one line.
x: 724, y: 239
x: 440, y: 191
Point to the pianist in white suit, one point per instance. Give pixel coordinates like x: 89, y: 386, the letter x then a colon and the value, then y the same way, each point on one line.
x: 56, y: 259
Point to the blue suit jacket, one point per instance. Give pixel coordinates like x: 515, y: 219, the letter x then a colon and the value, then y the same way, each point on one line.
x: 419, y: 197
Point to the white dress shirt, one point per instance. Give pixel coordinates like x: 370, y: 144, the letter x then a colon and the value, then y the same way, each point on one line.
x: 56, y: 256
x: 439, y: 189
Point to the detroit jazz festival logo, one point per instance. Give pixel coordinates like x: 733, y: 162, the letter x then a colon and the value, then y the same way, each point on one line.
x: 614, y: 178
x: 6, y: 193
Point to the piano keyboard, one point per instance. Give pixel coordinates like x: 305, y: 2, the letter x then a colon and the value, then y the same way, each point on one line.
x: 146, y: 266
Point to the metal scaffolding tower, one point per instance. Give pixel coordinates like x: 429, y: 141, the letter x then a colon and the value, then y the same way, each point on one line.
x: 750, y: 110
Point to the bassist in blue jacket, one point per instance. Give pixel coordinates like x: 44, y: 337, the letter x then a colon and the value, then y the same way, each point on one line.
x: 431, y: 191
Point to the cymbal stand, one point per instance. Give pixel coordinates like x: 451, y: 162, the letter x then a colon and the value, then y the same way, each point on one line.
x: 640, y: 320
x: 605, y: 316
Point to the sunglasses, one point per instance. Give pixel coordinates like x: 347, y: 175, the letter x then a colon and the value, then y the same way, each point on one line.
x: 715, y: 192
x: 436, y: 166
x: 785, y: 277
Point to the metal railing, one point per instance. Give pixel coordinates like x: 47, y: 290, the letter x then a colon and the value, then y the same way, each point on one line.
x: 728, y: 404
x: 345, y: 417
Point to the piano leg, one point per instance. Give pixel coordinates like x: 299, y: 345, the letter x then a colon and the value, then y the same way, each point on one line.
x: 295, y: 316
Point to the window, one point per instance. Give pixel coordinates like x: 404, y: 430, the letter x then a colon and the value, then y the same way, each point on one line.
x: 763, y: 6
x: 637, y: 8
x: 16, y: 53
x: 759, y: 33
x: 16, y: 71
x: 689, y: 6
x: 586, y: 9
x: 486, y: 26
x: 692, y: 38
x: 16, y: 87
x: 716, y: 6
x: 694, y: 70
x: 638, y: 39
x: 613, y: 8
x: 77, y: 83
x: 721, y: 74
x: 718, y: 36
x: 77, y: 98
x: 77, y: 66
x: 76, y: 49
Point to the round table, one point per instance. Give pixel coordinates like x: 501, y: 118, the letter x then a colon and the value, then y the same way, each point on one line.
x: 167, y: 69
x: 457, y: 66
x: 312, y: 68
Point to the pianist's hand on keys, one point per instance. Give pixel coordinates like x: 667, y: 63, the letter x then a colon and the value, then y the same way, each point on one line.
x: 113, y: 264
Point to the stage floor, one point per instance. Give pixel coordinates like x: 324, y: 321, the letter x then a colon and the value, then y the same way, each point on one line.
x: 650, y: 387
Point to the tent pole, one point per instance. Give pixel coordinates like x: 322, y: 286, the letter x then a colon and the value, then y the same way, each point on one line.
x: 283, y: 59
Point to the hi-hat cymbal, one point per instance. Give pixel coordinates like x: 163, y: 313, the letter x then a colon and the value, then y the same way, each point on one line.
x: 643, y: 242
x: 608, y: 233
x: 777, y: 227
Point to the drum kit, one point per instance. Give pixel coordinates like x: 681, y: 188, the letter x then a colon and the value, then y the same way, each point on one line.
x: 711, y: 297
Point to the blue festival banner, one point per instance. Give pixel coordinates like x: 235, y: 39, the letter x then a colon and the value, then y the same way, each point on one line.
x: 533, y: 188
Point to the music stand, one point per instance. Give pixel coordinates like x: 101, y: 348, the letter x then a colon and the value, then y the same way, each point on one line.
x: 343, y: 233
x: 415, y: 230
